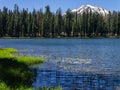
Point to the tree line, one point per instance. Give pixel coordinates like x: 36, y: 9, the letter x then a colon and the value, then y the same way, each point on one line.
x: 21, y: 23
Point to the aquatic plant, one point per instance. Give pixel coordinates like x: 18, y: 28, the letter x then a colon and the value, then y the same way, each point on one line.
x: 3, y: 86
x: 14, y: 73
x: 29, y: 60
x: 10, y: 53
x: 10, y: 50
x: 7, y: 52
x: 14, y: 70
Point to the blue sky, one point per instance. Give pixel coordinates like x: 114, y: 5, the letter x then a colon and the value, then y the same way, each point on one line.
x: 63, y: 4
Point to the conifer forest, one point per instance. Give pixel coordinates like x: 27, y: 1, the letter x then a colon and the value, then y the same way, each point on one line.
x: 36, y: 23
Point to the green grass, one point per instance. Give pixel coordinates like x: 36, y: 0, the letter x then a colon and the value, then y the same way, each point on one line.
x: 7, y: 52
x: 15, y: 73
x: 10, y: 53
x: 29, y: 60
x: 3, y: 86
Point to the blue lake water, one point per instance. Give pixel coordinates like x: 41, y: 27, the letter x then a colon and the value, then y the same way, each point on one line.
x: 73, y: 64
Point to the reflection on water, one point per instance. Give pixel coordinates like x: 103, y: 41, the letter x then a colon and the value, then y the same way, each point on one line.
x: 76, y: 81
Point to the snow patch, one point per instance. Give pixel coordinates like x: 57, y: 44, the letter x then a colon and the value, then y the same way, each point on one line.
x: 91, y: 8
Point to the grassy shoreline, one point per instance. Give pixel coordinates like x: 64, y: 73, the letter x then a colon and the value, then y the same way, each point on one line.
x: 14, y: 70
x: 29, y: 60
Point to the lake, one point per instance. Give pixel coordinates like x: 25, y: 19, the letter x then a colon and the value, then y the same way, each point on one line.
x: 73, y: 64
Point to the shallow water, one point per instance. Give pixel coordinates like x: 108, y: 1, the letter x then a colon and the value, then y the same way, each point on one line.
x: 74, y: 64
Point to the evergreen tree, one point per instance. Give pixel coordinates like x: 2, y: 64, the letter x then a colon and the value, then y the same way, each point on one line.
x: 69, y: 22
x: 58, y: 22
x: 20, y: 23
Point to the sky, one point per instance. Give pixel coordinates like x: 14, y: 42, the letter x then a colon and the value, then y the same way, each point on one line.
x: 63, y: 4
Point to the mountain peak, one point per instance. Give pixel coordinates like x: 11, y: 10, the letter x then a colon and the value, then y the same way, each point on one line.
x: 91, y: 8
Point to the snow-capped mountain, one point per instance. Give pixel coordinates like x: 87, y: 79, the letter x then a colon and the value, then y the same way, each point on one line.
x: 91, y: 8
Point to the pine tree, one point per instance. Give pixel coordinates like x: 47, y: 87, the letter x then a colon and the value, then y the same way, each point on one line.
x: 69, y: 18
